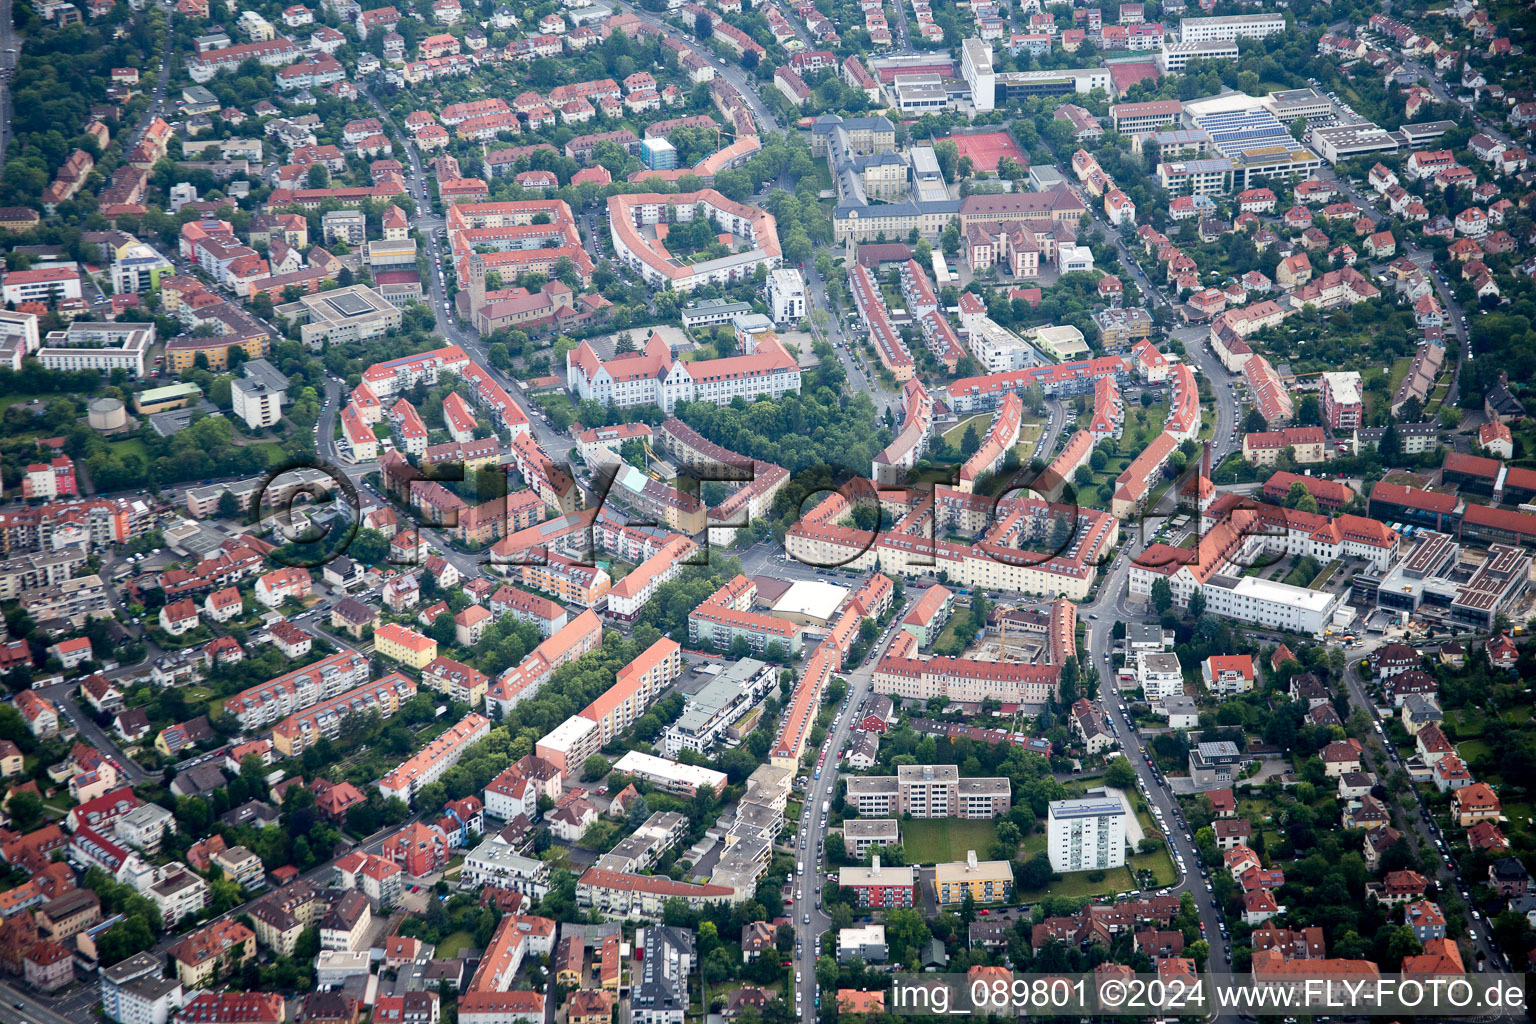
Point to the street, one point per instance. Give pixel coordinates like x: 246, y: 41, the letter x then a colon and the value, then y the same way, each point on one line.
x: 809, y: 917
x: 731, y: 72
x: 10, y: 54
x: 816, y: 292
x: 1415, y: 820
x: 1455, y: 315
x: 1110, y: 605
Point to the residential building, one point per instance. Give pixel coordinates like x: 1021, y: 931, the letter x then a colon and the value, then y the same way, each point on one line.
x: 1085, y: 834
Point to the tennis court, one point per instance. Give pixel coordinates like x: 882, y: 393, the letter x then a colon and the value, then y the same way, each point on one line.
x: 986, y: 148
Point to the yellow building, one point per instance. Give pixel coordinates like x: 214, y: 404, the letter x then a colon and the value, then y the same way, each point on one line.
x: 406, y: 646
x: 181, y: 353
x: 281, y: 918
x: 215, y: 951
x: 17, y: 219
x: 172, y: 396
x: 1263, y: 448
x: 460, y: 682
x: 988, y: 881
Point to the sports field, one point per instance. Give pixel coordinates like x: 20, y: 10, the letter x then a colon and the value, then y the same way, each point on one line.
x: 986, y: 148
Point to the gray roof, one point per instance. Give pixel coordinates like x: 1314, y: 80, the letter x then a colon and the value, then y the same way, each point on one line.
x: 1182, y: 705
x: 1087, y: 807
x: 827, y: 123
x: 199, y: 779
x: 663, y: 981
x: 261, y: 370
x: 176, y: 420
x: 136, y: 966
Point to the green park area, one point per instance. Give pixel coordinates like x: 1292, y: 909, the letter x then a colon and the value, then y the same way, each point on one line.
x: 937, y: 840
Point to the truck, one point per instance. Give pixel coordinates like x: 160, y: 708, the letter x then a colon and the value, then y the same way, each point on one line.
x: 826, y: 806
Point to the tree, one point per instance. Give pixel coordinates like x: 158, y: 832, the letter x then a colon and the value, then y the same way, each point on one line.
x: 1390, y: 447
x: 318, y: 176
x: 826, y: 973
x: 370, y: 547
x: 595, y: 767
x: 971, y: 442
x: 25, y: 808
x: 1299, y: 498
x: 1162, y: 595
x: 443, y: 630
x: 948, y: 155
x: 950, y: 240
x: 1036, y: 872
x: 703, y: 26
x: 1196, y: 603
x: 1120, y: 774
x: 229, y: 506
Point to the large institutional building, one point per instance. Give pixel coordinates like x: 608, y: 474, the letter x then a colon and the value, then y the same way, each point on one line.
x: 653, y: 377
x: 629, y: 214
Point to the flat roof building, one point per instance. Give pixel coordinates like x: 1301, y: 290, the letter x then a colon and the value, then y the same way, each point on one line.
x: 985, y: 881
x: 1086, y: 834
x: 672, y: 776
x: 86, y: 345
x: 810, y: 602
x: 353, y: 313
x: 862, y: 834
x: 1231, y: 27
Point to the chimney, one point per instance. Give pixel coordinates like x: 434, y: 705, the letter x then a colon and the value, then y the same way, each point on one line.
x: 970, y: 860
x: 1205, y: 461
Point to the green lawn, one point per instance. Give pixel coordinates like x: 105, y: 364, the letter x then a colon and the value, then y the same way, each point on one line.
x: 1254, y: 810
x: 453, y: 945
x: 1473, y: 748
x: 1519, y: 814
x: 1080, y: 884
x: 274, y: 452
x: 1159, y: 863
x: 956, y: 433
x: 1325, y: 574
x: 1466, y: 722
x: 960, y: 617
x: 1029, y: 436
x: 130, y: 446
x: 933, y: 841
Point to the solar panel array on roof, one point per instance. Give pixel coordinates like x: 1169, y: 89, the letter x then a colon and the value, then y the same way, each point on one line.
x: 1248, y: 134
